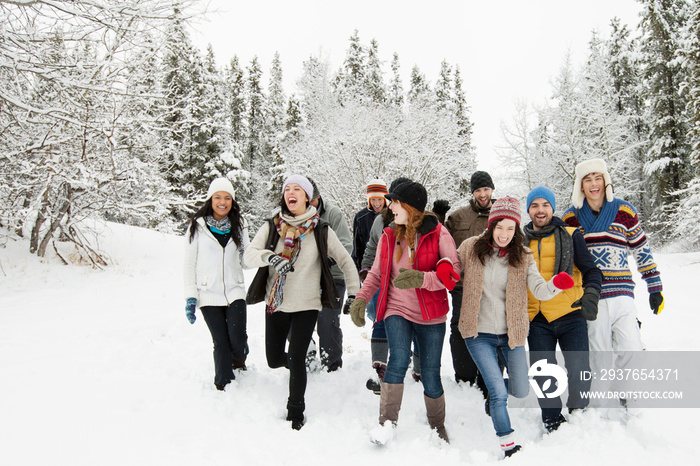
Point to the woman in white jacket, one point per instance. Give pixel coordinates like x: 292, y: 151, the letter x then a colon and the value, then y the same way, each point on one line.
x: 216, y: 240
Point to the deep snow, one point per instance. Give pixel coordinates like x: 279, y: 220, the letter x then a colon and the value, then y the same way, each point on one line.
x: 102, y: 368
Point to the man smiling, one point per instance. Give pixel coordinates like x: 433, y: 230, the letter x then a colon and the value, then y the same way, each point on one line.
x: 560, y: 248
x: 611, y: 229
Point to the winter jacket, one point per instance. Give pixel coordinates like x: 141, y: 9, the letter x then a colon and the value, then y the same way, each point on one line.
x: 427, y: 304
x: 214, y: 274
x: 609, y: 244
x: 466, y: 222
x: 335, y: 218
x: 585, y: 274
x: 302, y: 287
x: 495, y: 300
x: 361, y: 227
x: 375, y: 234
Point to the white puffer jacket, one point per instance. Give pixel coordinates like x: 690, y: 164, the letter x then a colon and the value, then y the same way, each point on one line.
x: 213, y: 274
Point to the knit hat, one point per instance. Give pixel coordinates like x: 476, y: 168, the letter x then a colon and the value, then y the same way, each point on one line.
x: 397, y: 182
x: 480, y: 179
x: 301, y: 181
x: 376, y: 188
x: 544, y: 193
x: 220, y: 184
x: 586, y: 168
x: 411, y: 193
x: 505, y: 207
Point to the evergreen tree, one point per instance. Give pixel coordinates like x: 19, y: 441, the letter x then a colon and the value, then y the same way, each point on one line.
x: 662, y: 21
x: 461, y: 109
x: 419, y: 92
x: 374, y: 80
x: 396, y: 86
x: 255, y: 115
x: 235, y: 99
x: 443, y: 88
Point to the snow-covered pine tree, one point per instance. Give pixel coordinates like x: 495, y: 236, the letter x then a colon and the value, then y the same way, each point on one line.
x: 685, y: 218
x: 667, y: 162
x: 419, y: 91
x: 374, y: 77
x: 628, y: 86
x: 396, y: 97
x: 443, y: 88
x: 461, y: 111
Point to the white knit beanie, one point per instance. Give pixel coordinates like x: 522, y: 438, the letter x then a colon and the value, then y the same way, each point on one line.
x: 586, y: 168
x: 301, y: 181
x: 220, y: 184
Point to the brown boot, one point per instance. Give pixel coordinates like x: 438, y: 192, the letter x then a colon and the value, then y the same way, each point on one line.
x: 390, y: 402
x: 435, y: 407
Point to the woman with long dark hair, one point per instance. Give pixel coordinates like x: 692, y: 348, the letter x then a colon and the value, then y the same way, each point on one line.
x: 416, y: 263
x: 216, y: 240
x: 498, y: 271
x: 297, y: 262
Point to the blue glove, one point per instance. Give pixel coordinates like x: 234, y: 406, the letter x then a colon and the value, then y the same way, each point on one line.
x: 190, y: 307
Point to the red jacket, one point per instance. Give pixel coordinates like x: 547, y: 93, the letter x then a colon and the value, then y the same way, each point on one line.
x: 432, y: 303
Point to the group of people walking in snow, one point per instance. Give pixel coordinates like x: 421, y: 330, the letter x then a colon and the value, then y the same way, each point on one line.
x: 562, y: 281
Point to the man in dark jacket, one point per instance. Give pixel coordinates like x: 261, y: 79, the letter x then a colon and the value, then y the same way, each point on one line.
x: 563, y: 319
x: 330, y: 336
x: 464, y: 223
x: 362, y: 224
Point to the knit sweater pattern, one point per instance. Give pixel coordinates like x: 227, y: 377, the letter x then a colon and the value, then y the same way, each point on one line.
x: 610, y: 250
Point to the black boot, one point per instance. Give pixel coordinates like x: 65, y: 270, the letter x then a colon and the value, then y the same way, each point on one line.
x: 512, y: 451
x: 295, y: 413
x: 553, y: 424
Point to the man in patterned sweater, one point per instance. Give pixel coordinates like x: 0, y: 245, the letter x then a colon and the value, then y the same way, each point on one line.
x: 611, y: 229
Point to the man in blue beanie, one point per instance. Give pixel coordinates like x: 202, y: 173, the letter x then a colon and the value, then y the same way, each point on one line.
x: 563, y: 319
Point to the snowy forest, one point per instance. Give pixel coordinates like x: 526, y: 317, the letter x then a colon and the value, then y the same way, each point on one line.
x: 108, y: 110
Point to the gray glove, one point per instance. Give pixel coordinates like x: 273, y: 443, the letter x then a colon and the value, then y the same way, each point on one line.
x: 280, y: 264
x: 588, y: 303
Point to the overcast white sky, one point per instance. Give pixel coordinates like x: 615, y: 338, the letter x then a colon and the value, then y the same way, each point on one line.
x: 506, y: 49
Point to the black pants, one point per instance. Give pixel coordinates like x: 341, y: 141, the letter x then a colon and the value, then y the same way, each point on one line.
x: 464, y: 366
x: 299, y: 326
x: 227, y: 325
x: 330, y: 336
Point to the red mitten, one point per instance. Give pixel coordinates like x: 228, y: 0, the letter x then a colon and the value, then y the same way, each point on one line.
x: 447, y: 275
x: 563, y: 281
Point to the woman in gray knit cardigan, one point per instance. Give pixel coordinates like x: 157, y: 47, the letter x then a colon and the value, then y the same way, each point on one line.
x: 494, y: 321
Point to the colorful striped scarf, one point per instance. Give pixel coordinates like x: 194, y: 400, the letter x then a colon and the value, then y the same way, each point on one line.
x: 292, y: 237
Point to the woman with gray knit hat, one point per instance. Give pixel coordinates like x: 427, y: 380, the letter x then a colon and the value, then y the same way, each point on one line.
x: 217, y: 237
x: 494, y: 320
x: 297, y: 265
x: 415, y: 265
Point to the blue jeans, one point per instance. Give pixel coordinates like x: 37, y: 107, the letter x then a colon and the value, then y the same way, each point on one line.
x: 486, y: 350
x: 400, y: 333
x: 572, y: 335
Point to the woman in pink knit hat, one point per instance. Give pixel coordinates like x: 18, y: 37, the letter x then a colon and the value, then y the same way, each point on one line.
x: 498, y: 271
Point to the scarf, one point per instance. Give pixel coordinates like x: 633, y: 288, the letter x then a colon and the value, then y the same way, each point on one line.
x: 292, y: 237
x: 222, y: 226
x: 563, y: 245
x: 600, y: 224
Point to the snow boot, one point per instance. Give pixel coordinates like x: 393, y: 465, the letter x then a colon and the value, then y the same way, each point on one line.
x: 435, y: 408
x: 508, y: 445
x: 374, y: 386
x: 553, y: 424
x: 240, y: 364
x: 295, y: 413
x: 389, y: 407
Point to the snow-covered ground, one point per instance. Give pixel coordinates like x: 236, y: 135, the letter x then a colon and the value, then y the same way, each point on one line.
x: 102, y: 368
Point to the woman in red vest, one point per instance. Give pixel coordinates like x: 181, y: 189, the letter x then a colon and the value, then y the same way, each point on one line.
x: 416, y: 265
